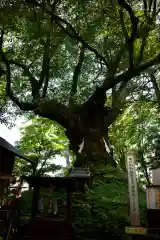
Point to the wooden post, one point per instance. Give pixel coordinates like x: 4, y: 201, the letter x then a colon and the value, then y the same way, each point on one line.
x: 69, y: 213
x: 35, y: 201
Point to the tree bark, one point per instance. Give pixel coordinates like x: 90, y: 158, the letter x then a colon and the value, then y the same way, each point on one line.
x: 87, y: 134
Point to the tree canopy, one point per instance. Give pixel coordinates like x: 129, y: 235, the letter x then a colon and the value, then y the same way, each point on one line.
x: 47, y: 57
x: 80, y: 63
x: 83, y: 65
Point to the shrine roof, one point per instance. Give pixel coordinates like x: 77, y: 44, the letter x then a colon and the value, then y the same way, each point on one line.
x: 6, y: 145
x: 59, y: 182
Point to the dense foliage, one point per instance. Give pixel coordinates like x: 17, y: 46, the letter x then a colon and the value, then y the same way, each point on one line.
x: 85, y: 64
x: 41, y: 141
x: 137, y: 128
x: 104, y: 210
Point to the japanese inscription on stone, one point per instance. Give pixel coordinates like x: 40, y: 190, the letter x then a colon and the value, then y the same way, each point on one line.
x: 133, y: 194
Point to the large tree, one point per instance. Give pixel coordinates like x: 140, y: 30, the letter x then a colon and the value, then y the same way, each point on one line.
x: 71, y: 61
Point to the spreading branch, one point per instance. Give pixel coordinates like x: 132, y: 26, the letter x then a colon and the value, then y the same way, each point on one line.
x: 112, y: 70
x: 71, y: 32
x: 140, y: 57
x: 54, y: 110
x: 112, y: 81
x: 74, y: 35
x: 133, y: 18
x: 1, y: 38
x: 150, y: 5
x: 45, y: 63
x: 154, y: 9
x: 145, y: 8
x: 115, y: 62
x: 22, y: 105
x: 33, y: 81
x: 44, y: 76
x: 2, y: 72
x: 120, y: 95
x: 125, y: 33
x: 113, y: 95
x: 156, y: 87
x: 134, y: 22
x: 150, y: 16
x: 127, y: 75
x: 50, y: 109
x: 77, y: 72
x: 46, y: 80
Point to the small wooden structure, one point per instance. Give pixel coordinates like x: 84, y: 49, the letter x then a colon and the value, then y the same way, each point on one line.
x: 52, y: 227
x: 8, y: 153
x: 7, y: 159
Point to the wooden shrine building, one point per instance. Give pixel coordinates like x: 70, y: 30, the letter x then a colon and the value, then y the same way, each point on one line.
x: 47, y: 227
x: 8, y: 153
x: 7, y: 158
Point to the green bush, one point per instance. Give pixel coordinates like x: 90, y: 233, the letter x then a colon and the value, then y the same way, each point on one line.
x: 103, y: 212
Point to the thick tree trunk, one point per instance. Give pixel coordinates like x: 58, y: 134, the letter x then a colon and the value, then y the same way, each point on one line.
x: 88, y: 139
x: 86, y: 127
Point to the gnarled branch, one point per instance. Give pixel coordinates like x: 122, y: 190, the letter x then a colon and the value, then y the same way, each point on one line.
x: 112, y: 81
x: 53, y: 110
x: 134, y: 22
x: 140, y: 57
x: 112, y: 70
x: 1, y: 38
x: 120, y: 95
x: 59, y: 21
x: 22, y: 105
x: 77, y: 72
x: 156, y: 87
x: 145, y: 8
x: 150, y: 17
x: 50, y: 109
x: 127, y: 75
x: 33, y: 81
x: 46, y: 80
x: 45, y: 63
x: 123, y: 24
x: 44, y: 76
x: 154, y: 9
x: 71, y: 32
